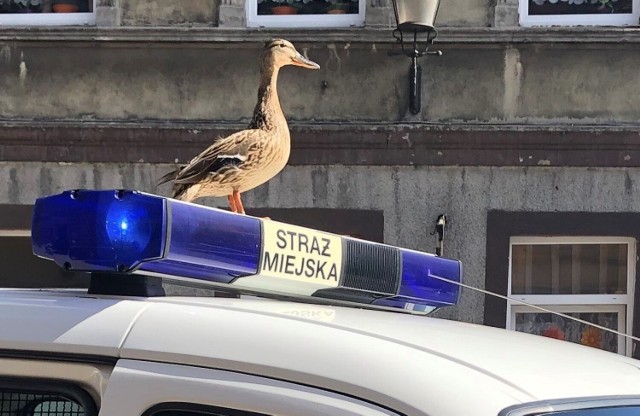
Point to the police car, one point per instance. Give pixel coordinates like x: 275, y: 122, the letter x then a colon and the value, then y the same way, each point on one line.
x: 341, y: 330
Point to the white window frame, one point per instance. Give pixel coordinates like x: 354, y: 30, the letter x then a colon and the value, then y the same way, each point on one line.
x: 15, y: 233
x: 49, y: 19
x: 619, y: 303
x: 579, y: 20
x: 305, y: 20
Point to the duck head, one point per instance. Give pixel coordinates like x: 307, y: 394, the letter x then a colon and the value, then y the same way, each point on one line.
x: 279, y: 52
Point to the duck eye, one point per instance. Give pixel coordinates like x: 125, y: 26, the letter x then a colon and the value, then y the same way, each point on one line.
x: 282, y: 45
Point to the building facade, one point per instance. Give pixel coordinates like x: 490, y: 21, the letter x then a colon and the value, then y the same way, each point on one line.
x: 527, y: 138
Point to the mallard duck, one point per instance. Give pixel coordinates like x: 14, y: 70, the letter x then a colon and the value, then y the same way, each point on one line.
x: 248, y: 158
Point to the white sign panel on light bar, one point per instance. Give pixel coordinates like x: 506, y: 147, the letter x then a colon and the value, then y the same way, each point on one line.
x: 297, y: 257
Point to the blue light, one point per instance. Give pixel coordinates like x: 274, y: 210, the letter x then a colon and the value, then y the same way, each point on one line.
x: 82, y: 230
x: 209, y: 244
x: 127, y: 230
x: 416, y: 284
x: 133, y: 232
x: 418, y: 291
x: 128, y: 224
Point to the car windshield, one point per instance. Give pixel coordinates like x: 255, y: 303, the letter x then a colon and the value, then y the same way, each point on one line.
x: 601, y: 411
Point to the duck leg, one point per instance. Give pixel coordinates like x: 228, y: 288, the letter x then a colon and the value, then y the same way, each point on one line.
x: 232, y: 203
x: 238, y: 202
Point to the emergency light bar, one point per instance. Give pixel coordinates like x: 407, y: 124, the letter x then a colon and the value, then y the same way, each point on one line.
x: 129, y: 232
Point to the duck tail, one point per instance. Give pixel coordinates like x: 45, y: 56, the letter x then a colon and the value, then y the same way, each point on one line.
x: 179, y: 190
x: 169, y: 176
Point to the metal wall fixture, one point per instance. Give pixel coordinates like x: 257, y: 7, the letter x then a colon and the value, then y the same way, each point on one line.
x: 441, y: 224
x: 415, y: 33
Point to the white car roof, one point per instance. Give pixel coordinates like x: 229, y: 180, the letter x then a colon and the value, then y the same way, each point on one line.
x: 408, y: 363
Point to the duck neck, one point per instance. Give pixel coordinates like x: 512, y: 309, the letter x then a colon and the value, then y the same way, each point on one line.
x: 268, y: 114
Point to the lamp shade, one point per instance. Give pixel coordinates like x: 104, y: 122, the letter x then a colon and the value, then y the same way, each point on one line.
x: 416, y: 15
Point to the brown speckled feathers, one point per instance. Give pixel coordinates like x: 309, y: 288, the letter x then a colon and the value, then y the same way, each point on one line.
x: 250, y: 157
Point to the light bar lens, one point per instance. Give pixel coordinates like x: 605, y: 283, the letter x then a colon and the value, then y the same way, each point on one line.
x: 98, y: 230
x: 128, y: 231
x: 209, y: 244
x: 415, y: 284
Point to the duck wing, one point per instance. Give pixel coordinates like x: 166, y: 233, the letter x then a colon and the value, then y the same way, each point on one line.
x: 228, y: 153
x: 170, y: 176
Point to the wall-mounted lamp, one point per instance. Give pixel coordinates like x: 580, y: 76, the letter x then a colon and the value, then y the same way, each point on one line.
x: 441, y: 224
x: 416, y: 33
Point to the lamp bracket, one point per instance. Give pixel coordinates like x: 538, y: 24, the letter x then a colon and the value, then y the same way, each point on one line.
x: 441, y: 224
x: 415, y: 47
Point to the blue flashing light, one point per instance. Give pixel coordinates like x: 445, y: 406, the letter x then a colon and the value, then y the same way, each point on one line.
x: 133, y: 232
x: 415, y: 283
x: 98, y: 230
x: 418, y: 291
x: 124, y: 231
x: 209, y: 244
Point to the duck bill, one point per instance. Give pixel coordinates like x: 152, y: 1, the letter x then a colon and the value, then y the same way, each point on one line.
x: 300, y: 60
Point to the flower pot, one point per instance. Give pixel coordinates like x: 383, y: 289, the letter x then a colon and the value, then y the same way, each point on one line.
x: 337, y: 11
x: 65, y: 8
x: 281, y: 10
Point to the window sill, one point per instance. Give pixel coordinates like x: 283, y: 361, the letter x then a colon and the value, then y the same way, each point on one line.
x: 47, y: 19
x: 213, y: 35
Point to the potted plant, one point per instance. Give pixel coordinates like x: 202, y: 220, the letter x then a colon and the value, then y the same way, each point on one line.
x: 338, y: 6
x: 283, y: 7
x: 579, y: 6
x: 20, y: 6
x: 66, y: 6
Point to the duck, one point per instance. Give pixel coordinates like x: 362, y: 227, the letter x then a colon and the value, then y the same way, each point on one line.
x: 248, y: 158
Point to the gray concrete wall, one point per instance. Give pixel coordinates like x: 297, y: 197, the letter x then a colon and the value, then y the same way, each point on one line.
x: 465, y: 13
x: 356, y: 82
x: 169, y: 12
x: 410, y: 197
x: 462, y: 13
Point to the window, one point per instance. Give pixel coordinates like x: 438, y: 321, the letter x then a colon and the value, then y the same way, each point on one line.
x: 305, y: 13
x: 605, y: 411
x: 590, y: 278
x: 47, y: 12
x: 25, y: 397
x: 589, y: 406
x: 579, y: 12
x: 192, y: 409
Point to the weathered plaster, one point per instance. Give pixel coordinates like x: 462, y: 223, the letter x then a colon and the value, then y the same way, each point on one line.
x: 464, y: 13
x: 169, y: 12
x: 355, y: 82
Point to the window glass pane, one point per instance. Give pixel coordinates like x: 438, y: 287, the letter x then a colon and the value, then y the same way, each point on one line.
x: 553, y: 326
x: 45, y: 6
x: 185, y: 413
x: 551, y: 7
x: 58, y: 407
x: 192, y: 409
x: 569, y: 269
x: 604, y: 411
x: 19, y: 404
x: 288, y: 7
